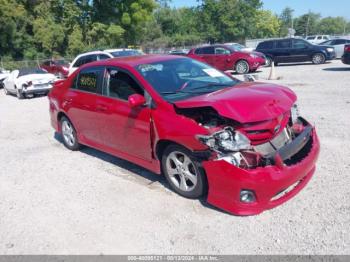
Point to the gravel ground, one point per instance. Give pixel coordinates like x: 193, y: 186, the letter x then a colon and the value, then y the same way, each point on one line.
x: 53, y: 201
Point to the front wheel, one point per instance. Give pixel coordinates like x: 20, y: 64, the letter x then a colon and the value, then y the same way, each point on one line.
x: 70, y: 138
x: 183, y: 172
x: 19, y: 94
x: 242, y: 67
x: 318, y: 59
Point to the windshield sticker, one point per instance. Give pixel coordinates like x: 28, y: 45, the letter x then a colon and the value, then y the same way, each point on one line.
x: 213, y: 72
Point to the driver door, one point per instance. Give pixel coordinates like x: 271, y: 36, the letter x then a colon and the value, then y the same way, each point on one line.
x: 126, y: 129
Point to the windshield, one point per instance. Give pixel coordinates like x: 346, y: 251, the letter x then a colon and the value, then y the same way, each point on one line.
x: 30, y: 71
x: 181, y: 78
x: 126, y: 53
x: 236, y: 47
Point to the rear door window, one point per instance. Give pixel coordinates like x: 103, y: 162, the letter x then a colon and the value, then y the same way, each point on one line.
x: 89, y: 80
x: 283, y: 44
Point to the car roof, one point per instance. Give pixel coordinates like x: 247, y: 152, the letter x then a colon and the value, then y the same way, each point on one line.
x: 119, y: 49
x: 132, y: 61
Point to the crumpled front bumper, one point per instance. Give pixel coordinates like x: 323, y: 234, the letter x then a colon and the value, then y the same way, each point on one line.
x: 226, y: 182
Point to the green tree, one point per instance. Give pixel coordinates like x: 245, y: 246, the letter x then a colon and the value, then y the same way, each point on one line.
x: 332, y: 25
x: 286, y: 20
x: 307, y: 24
x: 267, y: 25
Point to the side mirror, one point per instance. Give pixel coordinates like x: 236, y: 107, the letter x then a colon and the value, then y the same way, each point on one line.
x: 136, y: 100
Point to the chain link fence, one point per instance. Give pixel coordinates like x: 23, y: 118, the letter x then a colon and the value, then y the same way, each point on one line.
x: 13, y: 64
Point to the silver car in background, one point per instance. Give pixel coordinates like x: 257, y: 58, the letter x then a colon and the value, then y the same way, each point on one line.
x: 338, y: 45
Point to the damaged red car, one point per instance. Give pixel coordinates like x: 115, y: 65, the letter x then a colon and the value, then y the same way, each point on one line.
x: 242, y: 145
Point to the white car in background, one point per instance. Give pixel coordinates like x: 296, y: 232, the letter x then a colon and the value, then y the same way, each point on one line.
x: 3, y: 75
x: 338, y: 45
x: 317, y: 39
x: 89, y: 57
x: 239, y: 47
x: 28, y: 82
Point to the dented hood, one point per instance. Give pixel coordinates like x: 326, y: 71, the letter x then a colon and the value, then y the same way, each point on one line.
x: 246, y: 102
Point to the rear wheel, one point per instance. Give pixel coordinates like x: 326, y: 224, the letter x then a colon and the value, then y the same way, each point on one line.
x: 318, y: 59
x: 69, y: 135
x: 242, y: 67
x: 183, y: 172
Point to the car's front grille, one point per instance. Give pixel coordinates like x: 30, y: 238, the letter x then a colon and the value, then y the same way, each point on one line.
x: 276, y: 143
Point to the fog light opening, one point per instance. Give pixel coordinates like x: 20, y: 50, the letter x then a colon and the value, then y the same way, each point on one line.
x: 247, y: 196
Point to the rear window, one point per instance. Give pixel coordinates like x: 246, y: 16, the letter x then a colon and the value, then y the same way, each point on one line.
x: 265, y: 45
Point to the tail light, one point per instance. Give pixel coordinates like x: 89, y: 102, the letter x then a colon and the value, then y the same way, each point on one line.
x: 347, y: 48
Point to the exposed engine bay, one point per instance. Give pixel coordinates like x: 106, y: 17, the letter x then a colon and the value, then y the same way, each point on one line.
x: 235, y: 143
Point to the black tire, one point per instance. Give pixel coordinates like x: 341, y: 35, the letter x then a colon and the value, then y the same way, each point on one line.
x: 19, y: 94
x: 70, y: 141
x: 275, y: 63
x: 268, y: 61
x: 193, y: 191
x: 242, y: 67
x: 318, y: 58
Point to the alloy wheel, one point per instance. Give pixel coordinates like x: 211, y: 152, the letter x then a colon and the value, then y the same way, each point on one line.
x: 242, y: 67
x: 181, y: 171
x: 68, y: 133
x: 318, y: 59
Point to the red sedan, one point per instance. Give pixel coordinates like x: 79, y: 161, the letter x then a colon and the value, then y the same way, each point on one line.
x: 59, y: 68
x: 225, y: 57
x: 243, y: 145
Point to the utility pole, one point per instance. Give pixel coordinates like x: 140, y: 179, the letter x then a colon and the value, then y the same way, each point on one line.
x: 307, y: 24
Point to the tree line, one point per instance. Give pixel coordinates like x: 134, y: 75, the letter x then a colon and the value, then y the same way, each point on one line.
x: 31, y: 29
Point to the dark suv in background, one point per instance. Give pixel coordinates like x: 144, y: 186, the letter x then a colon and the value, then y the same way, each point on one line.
x: 291, y: 50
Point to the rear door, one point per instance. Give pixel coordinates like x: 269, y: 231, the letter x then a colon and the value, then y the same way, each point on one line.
x: 283, y: 50
x: 81, y: 101
x: 125, y: 129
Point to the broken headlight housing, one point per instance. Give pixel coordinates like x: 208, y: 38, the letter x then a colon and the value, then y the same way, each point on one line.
x: 294, y: 113
x: 226, y: 140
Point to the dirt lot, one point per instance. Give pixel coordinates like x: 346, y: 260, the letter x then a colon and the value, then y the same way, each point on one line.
x: 53, y: 201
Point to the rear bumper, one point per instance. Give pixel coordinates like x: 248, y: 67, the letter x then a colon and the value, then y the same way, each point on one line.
x: 226, y: 182
x: 36, y: 90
